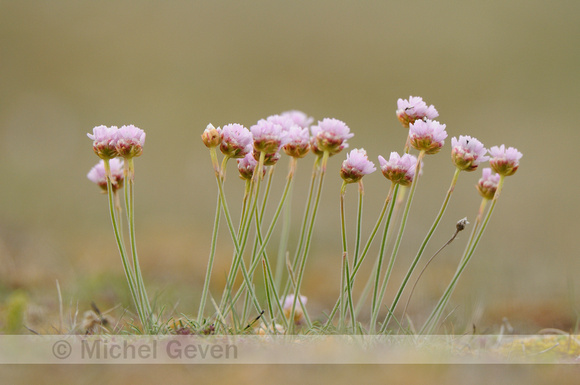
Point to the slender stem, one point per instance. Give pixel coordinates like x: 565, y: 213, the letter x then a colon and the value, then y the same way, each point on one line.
x: 376, y: 299
x: 238, y: 262
x: 268, y: 272
x: 436, y: 314
x: 392, y: 192
x: 361, y: 193
x: 341, y: 319
x: 376, y: 307
x: 349, y: 293
x: 238, y: 250
x: 126, y: 266
x: 325, y: 157
x: 283, y: 246
x: 342, y: 217
x: 303, y: 228
x: 267, y: 192
x: 136, y: 266
x: 425, y: 268
x: 423, y: 246
x: 266, y: 239
x: 478, y: 220
x: 214, y: 238
x: 268, y: 290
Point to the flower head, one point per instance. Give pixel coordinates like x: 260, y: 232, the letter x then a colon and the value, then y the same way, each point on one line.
x: 330, y: 135
x: 298, y: 143
x: 236, y: 140
x: 408, y: 111
x: 284, y: 121
x: 98, y: 174
x: 287, y: 303
x: 399, y: 169
x: 428, y: 135
x: 299, y: 118
x: 488, y: 183
x: 130, y: 141
x: 268, y: 136
x: 247, y: 165
x: 467, y: 153
x: 356, y: 165
x: 504, y: 161
x: 104, y: 139
x: 211, y: 137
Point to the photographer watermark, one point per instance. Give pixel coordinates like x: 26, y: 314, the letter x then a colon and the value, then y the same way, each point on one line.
x: 291, y: 349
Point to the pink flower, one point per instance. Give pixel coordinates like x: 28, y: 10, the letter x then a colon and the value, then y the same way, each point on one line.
x: 488, y: 183
x: 130, y: 141
x: 428, y: 135
x: 268, y: 136
x: 247, y: 165
x: 467, y: 153
x: 98, y: 175
x: 298, y: 143
x: 408, y: 111
x: 299, y: 118
x: 104, y: 139
x: 330, y: 135
x: 287, y: 303
x: 236, y: 141
x: 504, y: 161
x: 399, y: 169
x: 211, y: 136
x: 356, y: 165
x: 281, y: 120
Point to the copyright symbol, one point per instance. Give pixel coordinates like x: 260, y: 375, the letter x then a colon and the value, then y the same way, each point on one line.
x: 61, y: 349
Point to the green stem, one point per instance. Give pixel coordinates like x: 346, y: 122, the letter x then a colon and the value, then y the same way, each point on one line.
x: 379, y: 267
x: 361, y: 193
x: 214, y: 238
x: 436, y: 314
x: 392, y: 192
x: 423, y: 245
x: 283, y: 246
x: 138, y: 275
x: 325, y: 157
x: 303, y: 228
x: 238, y: 262
x: 266, y: 239
x: 126, y: 266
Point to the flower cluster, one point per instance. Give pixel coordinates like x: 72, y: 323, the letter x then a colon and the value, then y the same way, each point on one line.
x: 504, y: 161
x: 427, y: 135
x: 111, y: 142
x: 408, y: 111
x: 399, y: 169
x: 289, y: 131
x: 467, y: 153
x: 330, y: 135
x: 356, y: 165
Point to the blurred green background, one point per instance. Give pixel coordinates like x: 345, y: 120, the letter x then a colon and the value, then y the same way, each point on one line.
x: 502, y: 71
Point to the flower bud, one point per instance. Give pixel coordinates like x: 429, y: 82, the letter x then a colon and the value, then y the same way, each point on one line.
x: 211, y: 136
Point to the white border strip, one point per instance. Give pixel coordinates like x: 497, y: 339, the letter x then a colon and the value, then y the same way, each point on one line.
x: 449, y: 349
